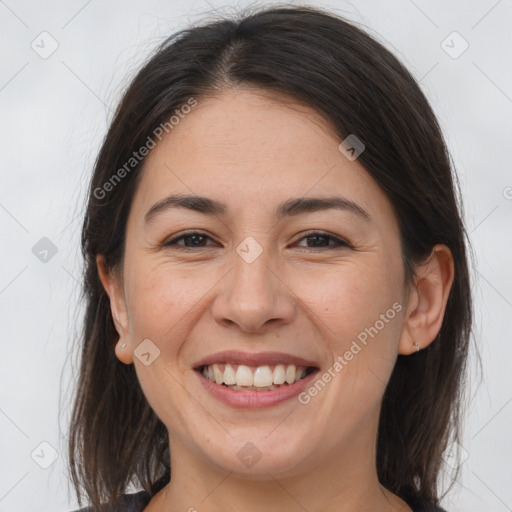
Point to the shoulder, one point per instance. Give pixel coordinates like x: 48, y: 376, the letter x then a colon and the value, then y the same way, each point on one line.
x: 128, y: 503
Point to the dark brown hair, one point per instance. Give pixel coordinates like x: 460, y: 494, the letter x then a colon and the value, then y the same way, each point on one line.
x: 321, y: 60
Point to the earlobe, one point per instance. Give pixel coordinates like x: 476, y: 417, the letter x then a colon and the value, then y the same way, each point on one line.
x: 427, y: 301
x: 123, y: 352
x: 113, y: 289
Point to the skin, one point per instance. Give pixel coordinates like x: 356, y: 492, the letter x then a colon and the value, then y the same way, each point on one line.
x: 252, y: 151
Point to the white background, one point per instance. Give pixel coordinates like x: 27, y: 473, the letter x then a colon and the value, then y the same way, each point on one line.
x: 54, y: 113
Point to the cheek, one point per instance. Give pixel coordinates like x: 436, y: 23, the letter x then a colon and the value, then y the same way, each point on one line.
x: 357, y: 309
x: 348, y: 297
x: 158, y: 300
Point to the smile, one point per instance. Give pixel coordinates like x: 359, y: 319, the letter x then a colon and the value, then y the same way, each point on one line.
x: 250, y: 378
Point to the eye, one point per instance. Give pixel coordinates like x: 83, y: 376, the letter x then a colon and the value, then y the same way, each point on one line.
x: 196, y: 239
x: 320, y: 239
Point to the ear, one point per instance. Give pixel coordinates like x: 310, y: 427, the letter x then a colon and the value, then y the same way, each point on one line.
x: 427, y: 300
x: 113, y: 287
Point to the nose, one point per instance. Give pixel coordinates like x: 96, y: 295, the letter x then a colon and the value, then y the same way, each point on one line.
x: 253, y: 297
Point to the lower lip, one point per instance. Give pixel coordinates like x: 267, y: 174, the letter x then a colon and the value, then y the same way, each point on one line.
x: 255, y: 399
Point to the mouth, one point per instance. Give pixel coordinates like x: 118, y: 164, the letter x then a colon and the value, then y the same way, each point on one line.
x: 241, y: 377
x: 249, y: 380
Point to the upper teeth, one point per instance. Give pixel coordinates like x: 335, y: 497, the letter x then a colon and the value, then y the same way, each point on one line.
x: 261, y: 376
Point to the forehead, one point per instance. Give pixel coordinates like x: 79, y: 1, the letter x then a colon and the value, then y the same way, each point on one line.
x: 249, y: 150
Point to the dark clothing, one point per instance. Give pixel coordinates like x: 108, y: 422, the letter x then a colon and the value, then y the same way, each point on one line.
x: 129, y: 503
x: 138, y: 501
x: 421, y: 506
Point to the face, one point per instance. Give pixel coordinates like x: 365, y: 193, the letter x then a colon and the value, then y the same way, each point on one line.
x: 323, y: 284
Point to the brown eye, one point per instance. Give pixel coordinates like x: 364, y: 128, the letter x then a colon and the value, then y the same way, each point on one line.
x: 320, y: 239
x: 191, y: 240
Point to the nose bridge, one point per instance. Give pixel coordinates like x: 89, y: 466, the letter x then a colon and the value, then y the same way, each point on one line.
x: 252, y: 294
x: 251, y: 274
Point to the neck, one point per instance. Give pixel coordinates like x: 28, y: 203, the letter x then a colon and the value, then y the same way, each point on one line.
x: 343, y: 480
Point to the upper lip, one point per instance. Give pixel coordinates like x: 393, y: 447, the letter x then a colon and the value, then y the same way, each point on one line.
x: 254, y: 359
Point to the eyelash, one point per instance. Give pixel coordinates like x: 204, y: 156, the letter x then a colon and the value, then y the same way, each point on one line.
x: 340, y: 243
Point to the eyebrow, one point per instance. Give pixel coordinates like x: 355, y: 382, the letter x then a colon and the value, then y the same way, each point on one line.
x: 291, y: 207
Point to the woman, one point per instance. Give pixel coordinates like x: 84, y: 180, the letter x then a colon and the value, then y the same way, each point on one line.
x: 278, y: 303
